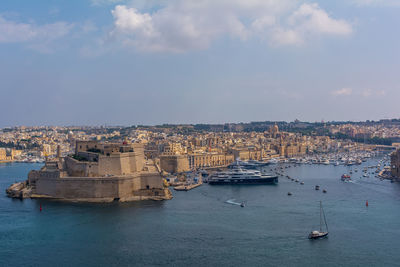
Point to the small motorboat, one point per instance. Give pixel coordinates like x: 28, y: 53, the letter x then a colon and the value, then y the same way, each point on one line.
x: 345, y: 177
x: 302, y: 183
x: 324, y: 191
x: 317, y: 187
x: 289, y: 193
x: 242, y: 204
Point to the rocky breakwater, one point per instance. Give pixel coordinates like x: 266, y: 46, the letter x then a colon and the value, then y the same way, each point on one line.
x: 19, y: 190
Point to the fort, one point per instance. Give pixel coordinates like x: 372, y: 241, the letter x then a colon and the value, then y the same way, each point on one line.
x: 97, y: 172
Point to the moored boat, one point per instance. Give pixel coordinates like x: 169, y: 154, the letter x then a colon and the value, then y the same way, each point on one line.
x: 239, y: 175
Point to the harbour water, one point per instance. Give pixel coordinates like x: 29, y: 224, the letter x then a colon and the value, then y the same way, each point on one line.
x: 200, y: 228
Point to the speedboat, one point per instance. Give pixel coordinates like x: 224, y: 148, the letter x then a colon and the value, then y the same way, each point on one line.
x: 345, y: 177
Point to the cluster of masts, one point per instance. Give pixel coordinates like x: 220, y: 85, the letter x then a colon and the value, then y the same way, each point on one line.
x: 336, y: 159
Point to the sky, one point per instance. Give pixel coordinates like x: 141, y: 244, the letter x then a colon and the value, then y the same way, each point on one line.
x: 128, y: 62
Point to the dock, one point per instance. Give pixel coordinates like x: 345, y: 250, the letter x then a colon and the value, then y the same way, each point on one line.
x: 187, y: 187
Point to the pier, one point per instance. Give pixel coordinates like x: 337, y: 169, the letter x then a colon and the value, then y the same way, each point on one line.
x: 187, y: 187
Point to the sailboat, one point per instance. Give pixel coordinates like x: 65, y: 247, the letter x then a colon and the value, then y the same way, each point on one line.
x: 319, y: 234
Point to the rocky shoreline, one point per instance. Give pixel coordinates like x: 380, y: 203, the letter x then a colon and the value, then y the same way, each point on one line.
x: 19, y: 190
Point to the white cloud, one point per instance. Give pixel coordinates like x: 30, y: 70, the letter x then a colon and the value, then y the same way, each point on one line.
x: 364, y: 92
x: 35, y: 36
x: 129, y: 19
x: 281, y: 36
x: 182, y: 25
x: 174, y: 28
x: 376, y: 3
x: 311, y: 18
x: 342, y: 92
x: 263, y: 22
x: 307, y: 21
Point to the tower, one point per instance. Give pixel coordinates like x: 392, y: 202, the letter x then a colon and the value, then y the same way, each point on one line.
x: 58, y: 152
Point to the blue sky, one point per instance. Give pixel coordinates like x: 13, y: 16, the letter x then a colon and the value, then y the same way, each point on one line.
x: 93, y: 62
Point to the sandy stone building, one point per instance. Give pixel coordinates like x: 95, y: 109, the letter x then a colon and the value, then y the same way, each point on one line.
x: 207, y: 160
x: 248, y: 153
x: 174, y: 163
x: 7, y: 154
x: 3, y: 154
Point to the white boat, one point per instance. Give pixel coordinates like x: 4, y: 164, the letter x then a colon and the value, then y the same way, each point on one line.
x: 320, y: 234
x: 273, y: 161
x: 239, y: 175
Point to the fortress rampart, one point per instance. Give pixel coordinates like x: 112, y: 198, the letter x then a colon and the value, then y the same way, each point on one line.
x: 98, y: 173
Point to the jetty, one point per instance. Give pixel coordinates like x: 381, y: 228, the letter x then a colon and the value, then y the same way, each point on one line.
x: 187, y: 187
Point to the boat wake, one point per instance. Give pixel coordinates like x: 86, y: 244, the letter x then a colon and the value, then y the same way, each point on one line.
x: 232, y: 201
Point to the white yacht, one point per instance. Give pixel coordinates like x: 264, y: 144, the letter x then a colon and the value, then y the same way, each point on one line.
x: 239, y: 175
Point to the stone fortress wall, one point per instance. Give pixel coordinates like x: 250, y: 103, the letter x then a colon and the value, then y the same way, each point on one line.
x: 174, y: 163
x: 112, y: 172
x: 99, y: 189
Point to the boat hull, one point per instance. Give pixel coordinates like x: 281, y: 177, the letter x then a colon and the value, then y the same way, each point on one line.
x: 270, y: 180
x: 319, y: 236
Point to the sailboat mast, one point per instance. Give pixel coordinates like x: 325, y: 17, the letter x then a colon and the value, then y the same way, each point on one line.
x: 320, y: 216
x: 326, y: 224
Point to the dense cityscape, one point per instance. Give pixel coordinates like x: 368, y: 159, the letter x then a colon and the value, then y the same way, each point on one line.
x: 180, y: 148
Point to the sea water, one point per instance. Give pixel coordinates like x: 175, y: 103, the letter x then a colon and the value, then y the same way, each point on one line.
x: 200, y: 228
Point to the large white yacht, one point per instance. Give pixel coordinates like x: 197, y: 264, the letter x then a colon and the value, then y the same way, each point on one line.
x: 239, y: 175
